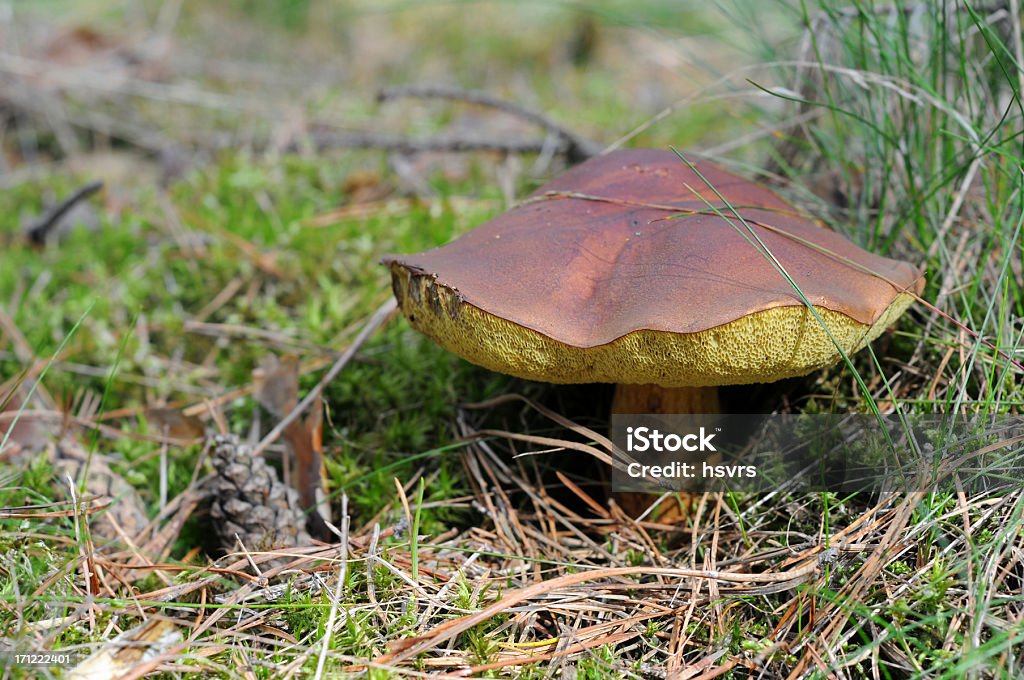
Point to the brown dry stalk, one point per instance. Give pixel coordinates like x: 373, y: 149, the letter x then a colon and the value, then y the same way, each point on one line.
x: 376, y: 321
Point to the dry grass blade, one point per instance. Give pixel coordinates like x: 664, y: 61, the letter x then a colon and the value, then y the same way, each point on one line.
x: 378, y: 318
x: 49, y: 510
x: 125, y: 652
x: 614, y: 456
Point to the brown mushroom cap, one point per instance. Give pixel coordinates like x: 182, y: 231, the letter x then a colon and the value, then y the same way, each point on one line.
x: 618, y: 272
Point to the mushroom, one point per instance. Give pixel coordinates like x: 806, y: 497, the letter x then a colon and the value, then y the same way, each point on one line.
x: 631, y: 269
x: 587, y: 281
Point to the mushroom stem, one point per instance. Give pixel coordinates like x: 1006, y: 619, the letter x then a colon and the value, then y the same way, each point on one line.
x: 632, y: 399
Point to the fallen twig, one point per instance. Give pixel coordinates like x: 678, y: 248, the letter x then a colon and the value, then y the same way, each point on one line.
x: 321, y: 140
x: 38, y: 231
x: 576, y: 148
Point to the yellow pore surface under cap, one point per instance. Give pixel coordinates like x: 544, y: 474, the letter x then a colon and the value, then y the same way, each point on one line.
x: 765, y: 346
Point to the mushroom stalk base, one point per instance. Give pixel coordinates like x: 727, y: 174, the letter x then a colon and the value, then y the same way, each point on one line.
x: 633, y: 399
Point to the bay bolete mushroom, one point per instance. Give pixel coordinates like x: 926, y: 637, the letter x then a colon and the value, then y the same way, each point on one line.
x: 630, y: 269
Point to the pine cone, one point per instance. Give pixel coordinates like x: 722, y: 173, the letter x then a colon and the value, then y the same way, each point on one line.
x: 250, y: 503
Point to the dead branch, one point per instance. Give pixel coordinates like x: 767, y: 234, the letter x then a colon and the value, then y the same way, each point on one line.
x: 38, y: 231
x: 576, y: 148
x: 322, y: 140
